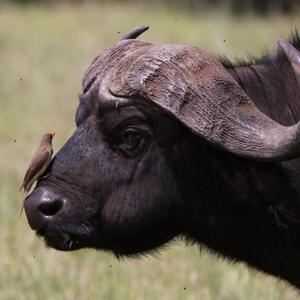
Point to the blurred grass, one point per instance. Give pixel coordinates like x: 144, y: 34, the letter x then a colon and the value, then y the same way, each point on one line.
x: 44, y: 52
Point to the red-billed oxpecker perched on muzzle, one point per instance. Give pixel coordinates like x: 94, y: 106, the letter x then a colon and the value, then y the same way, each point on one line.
x: 39, y: 162
x: 172, y: 142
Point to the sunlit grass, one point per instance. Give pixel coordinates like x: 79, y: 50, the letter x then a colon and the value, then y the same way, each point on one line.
x: 44, y: 52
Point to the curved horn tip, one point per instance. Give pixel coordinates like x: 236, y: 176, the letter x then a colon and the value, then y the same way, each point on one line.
x: 293, y: 55
x: 290, y: 51
x: 284, y: 45
x: 134, y: 33
x: 282, y: 42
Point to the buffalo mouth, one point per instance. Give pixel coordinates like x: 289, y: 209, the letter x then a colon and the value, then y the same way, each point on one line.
x: 63, y: 241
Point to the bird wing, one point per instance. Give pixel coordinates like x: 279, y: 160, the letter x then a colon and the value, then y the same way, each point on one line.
x: 39, y: 162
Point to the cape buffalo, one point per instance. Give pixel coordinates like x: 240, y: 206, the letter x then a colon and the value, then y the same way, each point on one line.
x: 172, y: 142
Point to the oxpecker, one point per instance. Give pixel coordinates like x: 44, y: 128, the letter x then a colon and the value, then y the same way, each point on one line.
x: 39, y: 162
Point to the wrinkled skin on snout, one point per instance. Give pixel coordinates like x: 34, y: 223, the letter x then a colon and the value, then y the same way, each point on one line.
x: 116, y: 183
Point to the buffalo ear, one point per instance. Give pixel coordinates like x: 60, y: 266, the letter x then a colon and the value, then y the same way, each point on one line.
x: 134, y: 33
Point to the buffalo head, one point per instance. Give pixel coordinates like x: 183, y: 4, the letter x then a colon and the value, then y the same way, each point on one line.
x: 140, y: 168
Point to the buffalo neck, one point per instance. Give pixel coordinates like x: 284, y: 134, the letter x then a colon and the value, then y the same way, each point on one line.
x: 248, y: 212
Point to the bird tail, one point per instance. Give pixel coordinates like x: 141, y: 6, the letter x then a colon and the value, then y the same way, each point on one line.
x: 23, y: 202
x: 21, y: 187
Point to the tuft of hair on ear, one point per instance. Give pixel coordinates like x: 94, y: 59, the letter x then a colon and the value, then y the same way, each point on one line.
x: 294, y: 39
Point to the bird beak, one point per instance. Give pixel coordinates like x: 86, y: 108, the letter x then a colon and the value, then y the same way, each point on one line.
x: 53, y: 134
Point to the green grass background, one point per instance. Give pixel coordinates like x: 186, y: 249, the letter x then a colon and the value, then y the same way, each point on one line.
x: 43, y: 53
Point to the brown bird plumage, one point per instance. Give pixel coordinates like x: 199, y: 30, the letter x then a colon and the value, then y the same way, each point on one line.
x: 39, y: 162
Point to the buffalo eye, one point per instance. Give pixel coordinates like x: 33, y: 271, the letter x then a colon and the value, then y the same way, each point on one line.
x: 132, y: 142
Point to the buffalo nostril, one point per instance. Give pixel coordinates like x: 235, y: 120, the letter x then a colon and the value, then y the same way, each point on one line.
x: 50, y: 208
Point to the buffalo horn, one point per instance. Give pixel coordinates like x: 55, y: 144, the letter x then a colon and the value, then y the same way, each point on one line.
x: 198, y: 91
x: 293, y: 56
